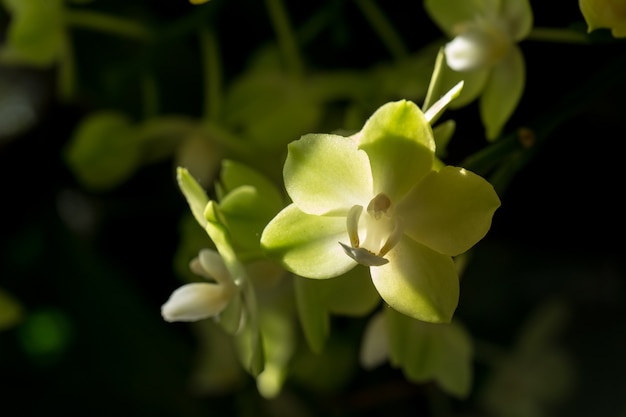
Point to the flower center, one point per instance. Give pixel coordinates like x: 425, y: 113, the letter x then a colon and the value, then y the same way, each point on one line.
x: 379, y: 227
x: 478, y: 44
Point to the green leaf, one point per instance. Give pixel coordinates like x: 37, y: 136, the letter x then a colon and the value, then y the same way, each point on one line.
x: 306, y: 244
x: 450, y: 210
x: 399, y: 143
x: 327, y: 174
x: 103, y: 151
x: 194, y: 193
x: 312, y: 312
x: 502, y: 92
x: 418, y: 282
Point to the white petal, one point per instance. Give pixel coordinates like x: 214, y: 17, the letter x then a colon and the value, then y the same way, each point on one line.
x: 196, y: 301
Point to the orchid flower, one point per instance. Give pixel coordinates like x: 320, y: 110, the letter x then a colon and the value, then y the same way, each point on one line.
x: 484, y: 53
x: 375, y: 199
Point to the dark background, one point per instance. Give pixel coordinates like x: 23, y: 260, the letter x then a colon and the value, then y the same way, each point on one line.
x: 557, y: 235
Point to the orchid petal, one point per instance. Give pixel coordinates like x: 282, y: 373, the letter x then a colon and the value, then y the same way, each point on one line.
x: 327, y: 174
x: 196, y: 301
x: 418, y: 282
x: 194, y: 194
x: 426, y: 351
x: 503, y: 92
x: 450, y: 14
x: 375, y: 344
x: 353, y: 294
x: 610, y: 14
x: 449, y: 210
x: 213, y: 266
x: 399, y: 143
x: 306, y: 244
x: 519, y: 17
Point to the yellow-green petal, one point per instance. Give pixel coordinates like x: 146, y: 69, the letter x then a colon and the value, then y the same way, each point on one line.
x: 351, y: 294
x: 400, y: 146
x: 502, y: 92
x: 518, y: 16
x: 450, y: 14
x: 194, y: 194
x: 418, y: 282
x: 450, y: 210
x: 327, y: 174
x: 610, y: 14
x: 306, y: 244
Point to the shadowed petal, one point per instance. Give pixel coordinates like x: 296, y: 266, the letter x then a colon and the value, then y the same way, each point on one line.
x: 503, y: 91
x: 518, y: 16
x: 449, y: 14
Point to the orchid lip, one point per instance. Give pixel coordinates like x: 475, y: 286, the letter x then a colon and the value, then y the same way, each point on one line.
x: 363, y: 256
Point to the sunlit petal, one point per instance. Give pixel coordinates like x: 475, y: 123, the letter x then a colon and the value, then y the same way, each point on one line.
x: 400, y: 146
x: 327, y: 174
x: 306, y: 244
x: 418, y: 282
x: 450, y: 210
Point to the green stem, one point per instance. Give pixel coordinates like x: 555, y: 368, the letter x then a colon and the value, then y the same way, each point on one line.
x: 66, y: 73
x: 286, y: 37
x: 150, y: 95
x: 558, y: 35
x: 108, y: 24
x: 384, y: 28
x: 211, y: 65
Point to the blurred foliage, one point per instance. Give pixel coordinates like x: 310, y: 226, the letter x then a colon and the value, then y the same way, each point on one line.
x: 100, y: 101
